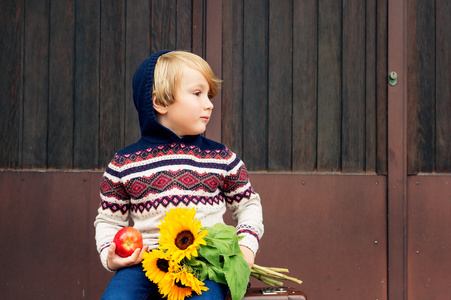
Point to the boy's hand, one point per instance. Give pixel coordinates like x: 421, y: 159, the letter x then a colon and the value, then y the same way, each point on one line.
x: 115, y: 262
x: 248, y: 255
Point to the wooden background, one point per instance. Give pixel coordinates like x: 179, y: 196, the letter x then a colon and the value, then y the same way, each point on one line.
x: 304, y: 81
x: 304, y: 103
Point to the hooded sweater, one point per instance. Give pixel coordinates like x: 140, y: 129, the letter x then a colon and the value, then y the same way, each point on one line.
x: 163, y: 171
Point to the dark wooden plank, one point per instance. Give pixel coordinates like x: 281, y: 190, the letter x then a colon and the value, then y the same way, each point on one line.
x: 137, y: 49
x: 227, y: 117
x: 426, y: 85
x: 87, y: 68
x: 412, y: 96
x: 329, y: 85
x: 305, y: 84
x: 184, y: 25
x: 232, y: 70
x: 213, y: 55
x: 36, y: 83
x: 11, y: 64
x: 443, y: 85
x: 112, y: 95
x: 370, y: 86
x: 198, y: 46
x: 280, y: 86
x: 381, y: 89
x: 353, y: 87
x: 421, y: 86
x: 163, y: 25
x: 255, y: 77
x: 61, y: 85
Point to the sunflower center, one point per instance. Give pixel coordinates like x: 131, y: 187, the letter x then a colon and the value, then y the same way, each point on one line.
x: 163, y: 265
x: 180, y: 285
x: 184, y: 239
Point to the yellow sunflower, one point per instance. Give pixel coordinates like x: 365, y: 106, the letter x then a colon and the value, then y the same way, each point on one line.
x: 178, y: 286
x: 157, y: 264
x: 179, y: 233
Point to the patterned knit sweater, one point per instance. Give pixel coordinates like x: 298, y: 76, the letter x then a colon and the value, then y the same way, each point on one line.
x: 162, y: 171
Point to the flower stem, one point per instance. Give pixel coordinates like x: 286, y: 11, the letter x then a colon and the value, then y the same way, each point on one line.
x: 265, y: 271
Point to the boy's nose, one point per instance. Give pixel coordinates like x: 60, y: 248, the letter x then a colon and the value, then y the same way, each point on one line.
x: 208, y: 104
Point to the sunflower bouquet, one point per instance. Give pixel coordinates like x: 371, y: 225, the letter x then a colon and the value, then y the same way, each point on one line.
x: 188, y: 254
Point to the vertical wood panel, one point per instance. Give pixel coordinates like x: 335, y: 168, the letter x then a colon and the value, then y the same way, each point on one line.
x: 184, y: 25
x: 137, y: 49
x: 11, y: 101
x: 255, y: 77
x: 370, y: 86
x: 86, y: 108
x: 329, y: 85
x: 232, y: 75
x: 421, y: 105
x: 163, y: 26
x: 353, y: 87
x: 198, y: 37
x: 36, y: 84
x: 443, y: 85
x: 305, y: 59
x: 112, y: 71
x: 61, y: 85
x: 381, y: 80
x: 280, y: 85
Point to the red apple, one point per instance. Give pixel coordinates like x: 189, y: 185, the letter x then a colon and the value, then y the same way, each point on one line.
x: 127, y: 240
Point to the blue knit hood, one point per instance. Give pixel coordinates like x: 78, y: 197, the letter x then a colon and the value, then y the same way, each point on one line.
x: 151, y: 130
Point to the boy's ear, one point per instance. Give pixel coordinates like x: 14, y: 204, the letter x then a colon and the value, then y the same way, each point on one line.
x: 158, y: 107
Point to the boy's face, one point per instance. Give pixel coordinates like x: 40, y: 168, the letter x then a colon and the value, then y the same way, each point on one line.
x: 191, y: 110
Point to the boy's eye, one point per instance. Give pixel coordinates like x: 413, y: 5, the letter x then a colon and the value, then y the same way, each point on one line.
x: 196, y: 93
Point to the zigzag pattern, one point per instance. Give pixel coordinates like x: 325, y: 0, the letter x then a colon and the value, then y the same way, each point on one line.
x: 115, y: 207
x: 163, y: 181
x: 246, y: 229
x: 111, y: 189
x: 176, y: 201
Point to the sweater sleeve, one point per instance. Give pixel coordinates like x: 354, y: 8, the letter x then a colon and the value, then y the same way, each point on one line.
x: 112, y: 214
x: 246, y: 206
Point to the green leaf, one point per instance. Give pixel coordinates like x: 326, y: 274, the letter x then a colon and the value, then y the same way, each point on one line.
x: 237, y: 273
x: 211, y: 254
x: 216, y: 274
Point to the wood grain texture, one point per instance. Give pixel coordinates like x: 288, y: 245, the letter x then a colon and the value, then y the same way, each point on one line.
x: 112, y: 78
x: 87, y: 93
x: 280, y: 86
x: 36, y: 84
x: 329, y: 85
x: 443, y: 86
x: 305, y: 85
x: 11, y: 83
x: 61, y: 85
x: 255, y: 78
x: 353, y: 87
x: 137, y: 43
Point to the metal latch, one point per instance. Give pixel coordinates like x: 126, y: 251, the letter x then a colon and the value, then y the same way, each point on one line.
x: 272, y: 291
x: 392, y: 78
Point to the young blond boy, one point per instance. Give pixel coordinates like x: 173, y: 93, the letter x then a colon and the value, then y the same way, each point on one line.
x: 172, y: 165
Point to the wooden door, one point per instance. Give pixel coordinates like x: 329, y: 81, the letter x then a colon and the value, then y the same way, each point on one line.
x: 304, y: 104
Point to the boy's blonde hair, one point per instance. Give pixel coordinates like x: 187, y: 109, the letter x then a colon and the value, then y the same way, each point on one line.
x: 168, y: 71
